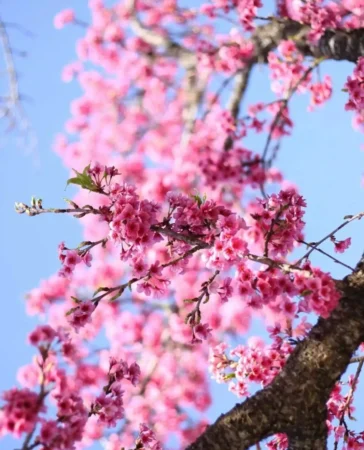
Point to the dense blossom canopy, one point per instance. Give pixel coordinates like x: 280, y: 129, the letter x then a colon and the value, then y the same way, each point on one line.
x: 188, y: 234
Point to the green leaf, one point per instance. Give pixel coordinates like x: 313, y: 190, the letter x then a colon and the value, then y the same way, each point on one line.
x: 101, y: 289
x: 229, y: 376
x: 199, y: 199
x: 83, y: 179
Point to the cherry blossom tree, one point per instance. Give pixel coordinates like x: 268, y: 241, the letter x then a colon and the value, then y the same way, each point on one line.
x: 188, y: 235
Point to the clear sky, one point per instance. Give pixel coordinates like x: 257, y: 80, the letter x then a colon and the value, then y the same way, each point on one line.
x: 323, y: 157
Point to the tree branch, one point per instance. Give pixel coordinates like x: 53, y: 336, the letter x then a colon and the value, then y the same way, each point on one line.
x: 295, y: 402
x: 173, y: 49
x: 334, y: 44
x: 11, y: 107
x: 13, y: 99
x: 240, y: 86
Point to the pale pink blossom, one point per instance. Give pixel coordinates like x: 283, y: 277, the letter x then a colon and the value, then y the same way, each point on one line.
x: 63, y: 18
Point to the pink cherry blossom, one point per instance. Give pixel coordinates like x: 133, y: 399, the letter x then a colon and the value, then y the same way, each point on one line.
x: 341, y: 246
x: 20, y: 412
x: 81, y: 315
x: 201, y: 332
x: 63, y: 18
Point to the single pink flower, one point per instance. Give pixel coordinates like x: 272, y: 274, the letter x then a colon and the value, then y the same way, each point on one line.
x: 341, y: 246
x: 63, y: 18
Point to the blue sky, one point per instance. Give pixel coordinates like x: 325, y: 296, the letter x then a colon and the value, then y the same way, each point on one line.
x: 323, y: 157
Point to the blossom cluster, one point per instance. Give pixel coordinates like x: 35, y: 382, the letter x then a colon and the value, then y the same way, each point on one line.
x: 246, y: 10
x: 20, y: 412
x: 69, y: 427
x: 80, y: 315
x: 131, y: 220
x: 319, y: 16
x: 108, y: 406
x: 200, y: 218
x: 354, y: 86
x: 255, y: 363
x: 24, y: 409
x: 148, y: 439
x: 319, y: 293
x: 287, y: 68
x: 233, y: 52
x: 339, y: 405
x: 70, y: 258
x: 236, y: 166
x: 279, y: 221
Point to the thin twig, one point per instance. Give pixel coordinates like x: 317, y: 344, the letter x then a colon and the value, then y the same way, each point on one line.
x: 284, y: 106
x: 33, y: 211
x: 285, y: 267
x: 194, y: 316
x: 9, y: 63
x: 317, y: 244
x: 41, y: 396
x: 327, y: 254
x: 224, y: 84
x: 19, y: 28
x: 271, y: 232
x: 188, y: 238
x: 189, y: 252
x: 350, y: 396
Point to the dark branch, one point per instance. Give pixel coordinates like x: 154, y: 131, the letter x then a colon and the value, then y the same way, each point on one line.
x: 334, y: 44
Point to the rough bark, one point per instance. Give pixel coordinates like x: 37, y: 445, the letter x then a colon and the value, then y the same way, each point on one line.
x: 295, y: 402
x: 334, y: 44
